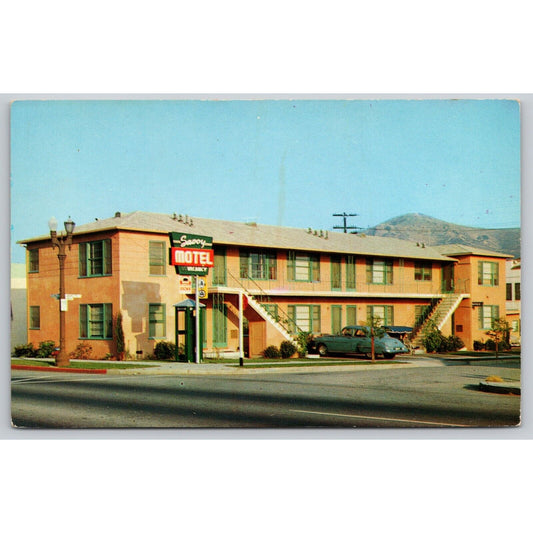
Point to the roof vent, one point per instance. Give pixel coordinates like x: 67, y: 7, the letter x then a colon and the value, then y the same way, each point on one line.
x: 174, y: 217
x: 118, y: 214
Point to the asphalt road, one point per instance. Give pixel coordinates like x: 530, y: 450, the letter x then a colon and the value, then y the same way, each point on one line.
x: 443, y: 396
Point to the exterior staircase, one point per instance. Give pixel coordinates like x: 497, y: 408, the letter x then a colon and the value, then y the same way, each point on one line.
x: 440, y: 313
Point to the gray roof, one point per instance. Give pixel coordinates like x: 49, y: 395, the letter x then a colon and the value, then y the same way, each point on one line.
x: 464, y: 249
x: 260, y: 235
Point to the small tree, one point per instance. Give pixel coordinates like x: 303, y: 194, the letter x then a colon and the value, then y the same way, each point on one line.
x: 499, y: 332
x: 375, y: 330
x: 119, y: 336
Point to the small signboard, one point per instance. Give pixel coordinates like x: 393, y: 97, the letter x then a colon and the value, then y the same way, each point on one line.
x: 191, y: 254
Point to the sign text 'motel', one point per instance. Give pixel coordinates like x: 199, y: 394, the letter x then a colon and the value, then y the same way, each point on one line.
x: 191, y: 254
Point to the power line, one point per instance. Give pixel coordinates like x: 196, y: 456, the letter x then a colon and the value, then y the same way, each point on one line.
x: 345, y: 227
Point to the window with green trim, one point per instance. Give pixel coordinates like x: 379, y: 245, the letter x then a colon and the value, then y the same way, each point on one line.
x: 220, y: 321
x: 351, y: 315
x: 488, y: 273
x: 487, y: 314
x: 33, y: 260
x: 304, y: 318
x: 350, y: 272
x: 379, y: 271
x: 157, y: 258
x: 423, y: 270
x: 259, y: 265
x: 336, y: 280
x: 95, y: 258
x: 35, y: 317
x: 383, y: 312
x: 157, y: 321
x: 96, y: 321
x: 303, y: 267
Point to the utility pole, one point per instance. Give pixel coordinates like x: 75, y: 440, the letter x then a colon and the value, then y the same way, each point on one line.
x: 345, y: 227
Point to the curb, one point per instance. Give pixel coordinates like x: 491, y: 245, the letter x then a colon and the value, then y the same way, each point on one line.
x: 56, y: 369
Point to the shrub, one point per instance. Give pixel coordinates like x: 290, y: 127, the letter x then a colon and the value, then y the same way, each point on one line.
x: 46, y: 349
x: 479, y: 345
x: 119, y: 335
x: 164, y: 350
x: 83, y: 351
x: 304, y: 340
x: 287, y: 349
x: 454, y: 343
x: 24, y: 350
x: 271, y: 352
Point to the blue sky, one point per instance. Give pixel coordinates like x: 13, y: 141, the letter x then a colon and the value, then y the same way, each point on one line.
x: 284, y: 162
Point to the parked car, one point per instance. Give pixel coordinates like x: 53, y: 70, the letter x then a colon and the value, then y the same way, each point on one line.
x: 357, y: 340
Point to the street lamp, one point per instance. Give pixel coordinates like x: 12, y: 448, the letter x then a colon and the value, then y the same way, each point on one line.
x: 61, y: 242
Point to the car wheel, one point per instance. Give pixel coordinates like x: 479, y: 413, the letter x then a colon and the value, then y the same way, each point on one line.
x: 389, y: 355
x: 322, y: 349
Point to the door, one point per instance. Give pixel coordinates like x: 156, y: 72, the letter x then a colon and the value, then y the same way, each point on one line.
x: 447, y: 278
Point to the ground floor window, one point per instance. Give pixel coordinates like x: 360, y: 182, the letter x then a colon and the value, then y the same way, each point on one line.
x: 272, y: 310
x: 96, y: 321
x: 35, y: 317
x: 157, y: 321
x: 487, y: 314
x: 336, y: 319
x: 305, y: 318
x: 384, y: 312
x: 351, y: 315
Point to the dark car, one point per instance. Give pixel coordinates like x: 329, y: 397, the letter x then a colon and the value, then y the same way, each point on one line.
x: 357, y: 340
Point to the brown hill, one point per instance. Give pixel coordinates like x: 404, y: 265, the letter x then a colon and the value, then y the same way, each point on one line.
x: 432, y: 231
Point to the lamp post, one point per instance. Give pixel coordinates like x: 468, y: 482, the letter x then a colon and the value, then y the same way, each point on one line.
x: 61, y: 242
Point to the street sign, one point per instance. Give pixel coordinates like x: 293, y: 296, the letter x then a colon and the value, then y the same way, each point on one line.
x: 67, y: 296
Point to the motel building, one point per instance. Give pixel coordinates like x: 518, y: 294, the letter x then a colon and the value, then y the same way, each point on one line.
x: 264, y: 284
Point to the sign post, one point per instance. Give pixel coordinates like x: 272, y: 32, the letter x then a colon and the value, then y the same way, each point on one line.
x: 193, y: 255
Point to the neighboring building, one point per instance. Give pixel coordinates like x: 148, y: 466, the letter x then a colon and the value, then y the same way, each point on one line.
x: 512, y: 296
x: 282, y: 280
x: 19, y: 303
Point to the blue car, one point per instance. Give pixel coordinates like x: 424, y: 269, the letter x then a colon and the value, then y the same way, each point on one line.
x: 357, y: 340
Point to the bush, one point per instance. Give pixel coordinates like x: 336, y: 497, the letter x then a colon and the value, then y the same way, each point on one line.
x: 454, y: 343
x: 479, y: 345
x: 83, y: 351
x: 304, y: 340
x: 46, y: 349
x: 24, y: 350
x: 164, y: 350
x: 271, y: 352
x: 287, y: 349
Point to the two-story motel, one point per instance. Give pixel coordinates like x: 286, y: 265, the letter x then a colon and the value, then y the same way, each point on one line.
x: 274, y: 280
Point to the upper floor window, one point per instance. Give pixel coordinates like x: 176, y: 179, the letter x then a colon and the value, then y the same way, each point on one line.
x: 157, y: 253
x: 95, y: 258
x: 336, y: 278
x: 33, y: 260
x: 517, y: 291
x: 219, y: 267
x: 509, y: 291
x: 303, y: 267
x: 379, y: 271
x: 423, y: 270
x: 350, y: 272
x: 258, y: 265
x: 488, y: 273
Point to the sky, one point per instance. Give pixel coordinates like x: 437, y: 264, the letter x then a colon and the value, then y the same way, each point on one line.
x: 282, y: 162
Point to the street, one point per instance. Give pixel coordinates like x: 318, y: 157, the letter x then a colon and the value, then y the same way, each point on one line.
x: 432, y: 396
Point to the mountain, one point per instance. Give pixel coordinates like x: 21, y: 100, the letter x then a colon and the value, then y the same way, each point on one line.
x: 432, y: 231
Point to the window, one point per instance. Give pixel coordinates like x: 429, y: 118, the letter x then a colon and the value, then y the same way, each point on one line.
x: 96, y: 321
x: 219, y: 267
x: 336, y: 319
x: 303, y: 267
x: 379, y: 271
x: 304, y: 318
x: 517, y: 291
x: 488, y: 273
x: 423, y: 270
x: 487, y: 314
x: 258, y: 265
x: 33, y: 260
x: 351, y: 315
x: 35, y: 317
x: 384, y: 312
x: 336, y: 281
x: 220, y: 319
x: 157, y: 259
x: 95, y: 258
x: 421, y: 313
x: 157, y: 321
x: 508, y: 291
x: 350, y: 272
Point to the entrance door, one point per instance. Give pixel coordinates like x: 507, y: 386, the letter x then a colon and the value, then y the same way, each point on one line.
x: 257, y: 337
x: 447, y: 278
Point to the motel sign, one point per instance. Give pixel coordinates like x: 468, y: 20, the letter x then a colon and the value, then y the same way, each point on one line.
x: 191, y: 254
